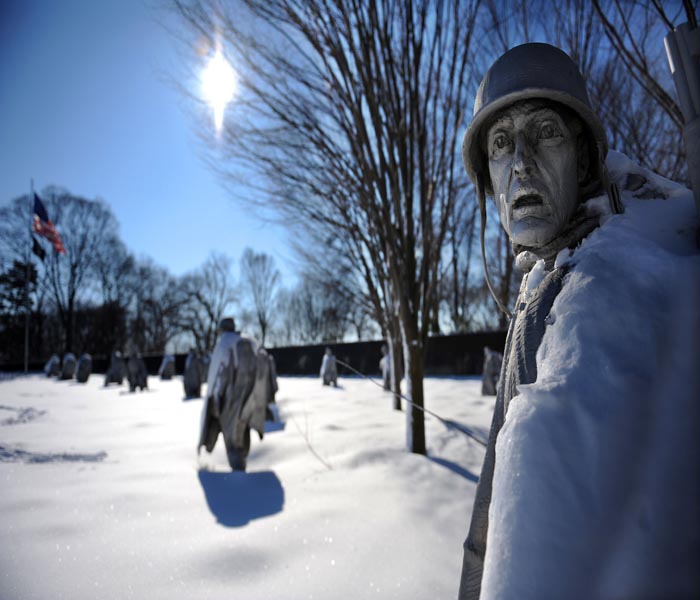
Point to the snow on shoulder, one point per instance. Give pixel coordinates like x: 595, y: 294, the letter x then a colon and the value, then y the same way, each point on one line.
x: 597, y: 485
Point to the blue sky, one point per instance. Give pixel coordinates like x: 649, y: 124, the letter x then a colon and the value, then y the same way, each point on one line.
x: 87, y: 103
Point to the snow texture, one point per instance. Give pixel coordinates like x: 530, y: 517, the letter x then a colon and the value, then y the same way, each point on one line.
x: 597, y: 478
x: 103, y: 497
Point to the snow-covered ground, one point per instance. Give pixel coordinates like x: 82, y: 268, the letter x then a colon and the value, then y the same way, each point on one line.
x: 103, y: 495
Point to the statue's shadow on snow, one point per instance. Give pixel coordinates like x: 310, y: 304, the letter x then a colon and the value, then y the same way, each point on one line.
x: 235, y: 499
x: 272, y: 426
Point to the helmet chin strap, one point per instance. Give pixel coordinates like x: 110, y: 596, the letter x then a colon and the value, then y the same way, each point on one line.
x: 610, y: 186
x: 481, y: 197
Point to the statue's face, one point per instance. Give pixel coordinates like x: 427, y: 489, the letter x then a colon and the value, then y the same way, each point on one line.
x: 532, y: 154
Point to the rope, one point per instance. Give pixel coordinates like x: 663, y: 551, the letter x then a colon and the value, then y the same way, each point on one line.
x: 451, y: 425
x: 305, y: 435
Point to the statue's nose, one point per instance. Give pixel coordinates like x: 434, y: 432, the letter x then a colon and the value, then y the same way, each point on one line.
x: 523, y: 163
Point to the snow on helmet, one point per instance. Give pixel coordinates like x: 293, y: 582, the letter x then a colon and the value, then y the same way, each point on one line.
x: 533, y: 70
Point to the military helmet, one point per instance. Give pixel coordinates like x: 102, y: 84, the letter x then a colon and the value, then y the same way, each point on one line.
x: 528, y: 71
x: 227, y: 324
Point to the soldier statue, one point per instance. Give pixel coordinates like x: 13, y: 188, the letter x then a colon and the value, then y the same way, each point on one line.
x: 590, y: 483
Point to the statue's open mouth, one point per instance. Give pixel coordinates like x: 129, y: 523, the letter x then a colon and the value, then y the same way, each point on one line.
x: 527, y: 200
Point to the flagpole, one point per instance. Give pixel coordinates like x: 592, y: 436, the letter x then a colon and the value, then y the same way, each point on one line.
x: 26, y: 284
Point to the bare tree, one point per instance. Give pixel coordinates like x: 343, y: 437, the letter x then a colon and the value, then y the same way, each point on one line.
x: 113, y: 266
x: 651, y: 117
x: 156, y: 305
x: 17, y: 285
x: 260, y: 279
x: 458, y: 283
x: 83, y: 224
x: 353, y: 119
x: 208, y: 294
x: 314, y: 312
x: 114, y: 270
x: 15, y: 227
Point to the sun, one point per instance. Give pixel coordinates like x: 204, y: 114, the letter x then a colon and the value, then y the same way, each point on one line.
x: 219, y: 84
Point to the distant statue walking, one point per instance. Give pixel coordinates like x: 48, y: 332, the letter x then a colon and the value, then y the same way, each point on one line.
x: 115, y: 373
x: 230, y: 406
x: 329, y: 369
x: 192, y: 377
x: 491, y: 371
x: 385, y: 366
x: 167, y: 367
x: 84, y: 368
x: 137, y: 374
x: 52, y: 368
x: 68, y: 367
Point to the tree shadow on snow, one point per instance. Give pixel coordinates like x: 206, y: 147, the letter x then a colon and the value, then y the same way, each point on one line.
x: 455, y: 468
x: 10, y: 454
x: 235, y: 499
x: 23, y: 415
x: 477, y: 434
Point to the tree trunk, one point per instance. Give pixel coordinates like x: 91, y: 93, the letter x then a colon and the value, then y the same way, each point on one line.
x: 415, y: 419
x: 69, y: 325
x: 395, y: 353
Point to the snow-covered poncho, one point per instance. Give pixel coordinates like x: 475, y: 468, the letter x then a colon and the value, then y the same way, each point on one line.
x: 115, y: 373
x: 192, y: 376
x: 490, y: 372
x: 136, y: 372
x: 84, y: 368
x: 68, y: 366
x: 596, y: 486
x: 52, y: 368
x: 329, y: 370
x: 385, y: 367
x: 166, y: 371
x: 230, y: 405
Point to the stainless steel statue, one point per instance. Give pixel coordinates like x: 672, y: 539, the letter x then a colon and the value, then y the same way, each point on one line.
x: 166, y: 370
x: 68, y: 366
x: 52, y: 368
x: 84, y: 368
x: 329, y: 369
x: 572, y: 501
x: 115, y: 372
x: 490, y: 372
x: 192, y: 378
x: 136, y: 372
x: 385, y: 368
x: 231, y: 405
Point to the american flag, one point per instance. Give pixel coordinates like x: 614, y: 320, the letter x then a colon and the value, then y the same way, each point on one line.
x: 44, y: 227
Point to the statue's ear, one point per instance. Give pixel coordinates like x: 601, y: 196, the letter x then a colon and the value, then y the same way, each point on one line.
x: 584, y: 158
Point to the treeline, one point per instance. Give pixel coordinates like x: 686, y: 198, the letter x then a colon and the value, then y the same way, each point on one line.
x: 99, y: 296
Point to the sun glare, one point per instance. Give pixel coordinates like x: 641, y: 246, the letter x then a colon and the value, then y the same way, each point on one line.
x: 218, y: 86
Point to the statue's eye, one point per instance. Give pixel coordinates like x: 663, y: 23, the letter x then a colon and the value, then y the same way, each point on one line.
x: 501, y: 141
x: 548, y: 130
